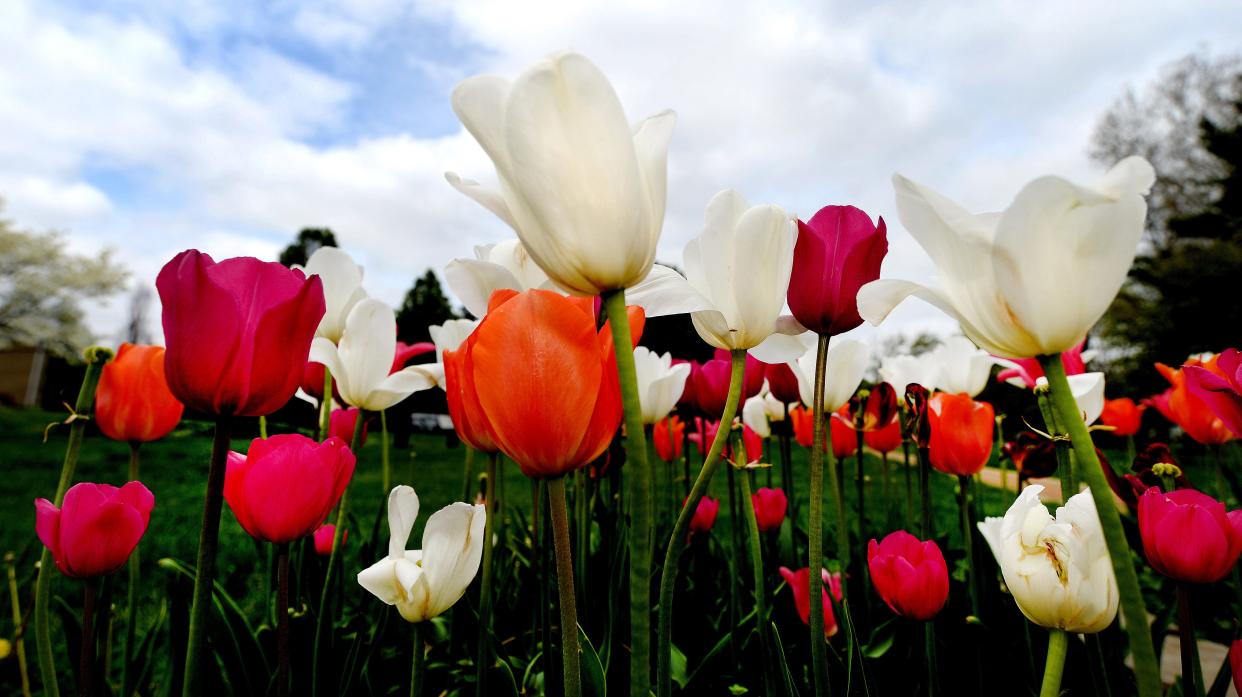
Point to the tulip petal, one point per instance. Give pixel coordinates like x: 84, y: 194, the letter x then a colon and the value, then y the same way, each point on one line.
x: 452, y: 549
x: 380, y: 579
x: 485, y: 196
x: 665, y: 292
x: 651, y: 137
x: 474, y: 281
x: 402, y: 384
x: 47, y: 527
x: 342, y: 287
x: 402, y: 511
x: 479, y: 103
x: 778, y: 348
x: 324, y: 351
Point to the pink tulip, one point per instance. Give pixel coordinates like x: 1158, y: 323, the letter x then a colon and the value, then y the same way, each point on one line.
x: 286, y: 485
x: 704, y: 515
x: 770, y: 506
x: 1188, y: 536
x: 96, y: 528
x: 1221, y: 391
x: 800, y: 585
x: 407, y: 352
x: 1028, y: 371
x: 323, y: 539
x: 711, y: 383
x: 837, y: 252
x: 343, y: 422
x: 911, y: 576
x: 238, y: 332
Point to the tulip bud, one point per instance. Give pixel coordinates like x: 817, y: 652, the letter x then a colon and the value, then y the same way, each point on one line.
x: 323, y: 539
x: 668, y: 434
x: 704, y: 514
x: 133, y: 402
x: 96, y: 528
x: 770, y: 505
x: 800, y: 585
x: 961, y: 433
x: 911, y: 576
x: 343, y: 422
x: 838, y: 251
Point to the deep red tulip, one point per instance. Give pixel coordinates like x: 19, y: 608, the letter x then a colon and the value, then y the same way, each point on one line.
x: 1028, y: 371
x: 704, y: 515
x: 909, y: 575
x: 283, y: 488
x: 706, y: 434
x: 886, y: 439
x: 238, y: 332
x: 1220, y: 389
x: 1186, y: 409
x: 838, y: 250
x: 133, y: 402
x: 800, y: 585
x: 1144, y: 478
x: 918, y: 425
x: 323, y: 539
x: 96, y: 528
x: 752, y: 376
x: 1188, y: 536
x: 343, y: 422
x: 770, y: 506
x: 782, y: 382
x: 880, y: 408
x: 961, y: 433
x: 668, y: 434
x: 844, y: 437
x: 1123, y: 415
x: 1033, y: 455
x: 688, y: 403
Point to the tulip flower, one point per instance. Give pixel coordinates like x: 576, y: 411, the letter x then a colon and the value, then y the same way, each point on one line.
x: 1088, y: 391
x: 770, y: 506
x: 689, y: 401
x: 584, y: 192
x: 843, y: 435
x: 901, y: 371
x: 803, y: 422
x: 1033, y: 279
x: 837, y: 251
x: 323, y: 539
x: 885, y: 439
x: 342, y: 425
x: 961, y: 433
x: 782, y: 382
x: 425, y: 583
x: 961, y: 366
x: 494, y: 267
x: 96, y: 528
x: 750, y: 440
x: 909, y: 575
x: 133, y: 402
x: 1220, y: 389
x: 1058, y: 570
x: 846, y: 363
x: 660, y: 383
x: 668, y: 434
x: 1123, y: 415
x: 1033, y: 455
x: 711, y: 384
x: 342, y: 288
x: 257, y: 485
x: 755, y: 416
x: 704, y: 514
x: 800, y: 585
x: 1188, y: 536
x: 238, y: 332
x: 362, y: 360
x: 1023, y: 372
x: 1186, y: 409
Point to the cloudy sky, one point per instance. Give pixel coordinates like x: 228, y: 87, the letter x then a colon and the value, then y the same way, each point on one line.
x: 228, y: 125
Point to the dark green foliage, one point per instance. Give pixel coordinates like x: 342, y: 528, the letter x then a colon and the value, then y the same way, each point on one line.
x: 308, y: 240
x: 425, y: 304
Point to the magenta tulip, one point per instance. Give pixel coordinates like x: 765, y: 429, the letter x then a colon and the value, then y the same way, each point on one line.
x: 238, y: 332
x: 770, y: 506
x: 800, y: 585
x: 96, y: 528
x: 1188, y: 536
x: 285, y: 486
x: 343, y: 422
x: 1222, y: 393
x: 837, y: 252
x: 323, y: 539
x: 711, y: 383
x: 911, y: 576
x: 704, y: 515
x: 783, y: 383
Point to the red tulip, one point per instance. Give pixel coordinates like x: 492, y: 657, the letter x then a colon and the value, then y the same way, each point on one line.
x: 463, y: 399
x: 909, y: 575
x: 407, y: 352
x: 133, y: 402
x: 800, y: 585
x: 323, y: 539
x: 918, y: 425
x: 844, y: 437
x: 803, y: 421
x: 1028, y: 371
x: 782, y: 382
x: 1186, y: 409
x: 238, y: 332
x: 688, y: 403
x: 961, y: 433
x: 668, y: 434
x: 770, y: 505
x: 1033, y: 455
x: 1188, y: 536
x: 342, y: 422
x: 881, y: 429
x: 283, y: 488
x: 96, y: 528
x: 886, y: 439
x: 837, y: 252
x: 711, y: 383
x: 752, y: 376
x: 1220, y: 389
x: 704, y: 515
x: 1123, y: 415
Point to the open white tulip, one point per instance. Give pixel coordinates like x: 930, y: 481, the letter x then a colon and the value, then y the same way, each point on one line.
x: 447, y: 337
x: 755, y: 415
x: 961, y: 366
x: 843, y: 370
x: 361, y: 361
x: 495, y: 266
x: 584, y: 192
x: 902, y: 371
x: 1088, y: 391
x: 342, y: 288
x: 1030, y: 280
x: 423, y: 583
x: 1058, y: 570
x: 660, y: 383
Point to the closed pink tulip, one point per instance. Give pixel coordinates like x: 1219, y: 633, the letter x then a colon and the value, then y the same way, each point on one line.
x: 343, y: 422
x: 285, y: 486
x: 909, y: 575
x: 96, y: 528
x: 711, y: 383
x: 323, y: 539
x: 770, y: 506
x: 238, y: 332
x: 1188, y: 536
x: 800, y: 585
x: 704, y: 515
x: 838, y: 251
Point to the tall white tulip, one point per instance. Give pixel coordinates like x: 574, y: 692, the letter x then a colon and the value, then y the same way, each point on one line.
x: 961, y: 366
x: 423, y: 583
x: 843, y: 370
x: 1032, y: 279
x: 901, y: 371
x: 660, y: 383
x: 342, y: 288
x: 584, y: 191
x: 1057, y: 569
x: 361, y: 361
x: 1088, y: 391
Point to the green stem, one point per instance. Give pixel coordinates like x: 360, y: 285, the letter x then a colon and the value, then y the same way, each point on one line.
x: 197, y: 653
x: 1058, y: 644
x: 1192, y: 670
x: 86, y: 661
x: 96, y: 357
x: 387, y: 468
x: 640, y: 496
x: 19, y: 644
x: 565, y: 587
x: 325, y: 406
x: 468, y: 477
x: 262, y: 426
x: 418, y: 664
x: 1065, y: 469
x: 485, y: 585
x: 905, y: 473
x: 819, y: 656
x: 756, y: 565
x: 131, y: 595
x: 1146, y: 668
x: 924, y: 466
x: 677, y: 541
x: 282, y: 619
x: 968, y: 525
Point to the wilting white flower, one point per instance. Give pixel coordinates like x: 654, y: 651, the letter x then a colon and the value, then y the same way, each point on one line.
x: 961, y: 366
x: 660, y: 383
x: 425, y: 582
x: 1030, y: 280
x: 342, y: 288
x: 1057, y: 569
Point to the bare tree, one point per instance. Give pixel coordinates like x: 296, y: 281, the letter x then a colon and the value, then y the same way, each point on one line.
x: 139, y: 309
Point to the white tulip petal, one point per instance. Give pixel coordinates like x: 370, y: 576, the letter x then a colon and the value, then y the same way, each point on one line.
x: 402, y: 384
x: 844, y: 368
x: 474, y: 281
x: 512, y: 255
x: 366, y: 350
x: 452, y: 549
x: 665, y: 292
x: 451, y: 335
x: 380, y: 580
x: 755, y: 415
x: 485, y: 196
x: 402, y: 511
x: 323, y: 351
x: 778, y: 348
x: 480, y: 104
x: 342, y: 288
x: 1088, y: 391
x: 651, y: 138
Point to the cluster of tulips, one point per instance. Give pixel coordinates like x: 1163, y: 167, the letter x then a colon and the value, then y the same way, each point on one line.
x: 551, y: 375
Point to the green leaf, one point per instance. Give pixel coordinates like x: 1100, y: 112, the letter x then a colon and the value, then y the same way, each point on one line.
x: 881, y: 639
x: 678, y: 666
x: 593, y: 681
x: 786, y: 676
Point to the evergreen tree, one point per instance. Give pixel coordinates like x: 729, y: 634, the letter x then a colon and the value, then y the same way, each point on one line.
x: 425, y: 304
x: 308, y: 240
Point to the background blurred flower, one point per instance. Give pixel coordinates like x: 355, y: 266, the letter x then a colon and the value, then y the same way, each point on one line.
x: 843, y: 370
x: 133, y: 402
x: 800, y: 585
x: 961, y: 366
x: 660, y: 383
x: 1185, y: 408
x: 96, y: 528
x: 901, y: 371
x: 668, y: 434
x: 343, y: 422
x: 1220, y: 389
x: 323, y: 539
x: 704, y: 515
x: 1123, y: 415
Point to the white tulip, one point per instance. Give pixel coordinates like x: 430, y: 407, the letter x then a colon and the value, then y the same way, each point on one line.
x: 361, y: 361
x: 773, y: 408
x: 584, y: 191
x: 1088, y: 391
x: 903, y: 371
x: 961, y: 366
x: 755, y: 415
x: 342, y: 288
x: 1030, y: 280
x: 1058, y: 570
x: 843, y: 370
x: 423, y: 583
x: 495, y: 266
x: 660, y: 383
x: 447, y: 337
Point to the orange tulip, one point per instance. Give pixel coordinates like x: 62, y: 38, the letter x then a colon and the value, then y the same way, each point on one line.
x: 463, y: 399
x: 885, y: 439
x: 844, y: 436
x: 668, y: 434
x: 961, y: 433
x: 1187, y: 410
x: 1123, y: 415
x: 803, y: 421
x: 133, y: 402
x: 545, y: 380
